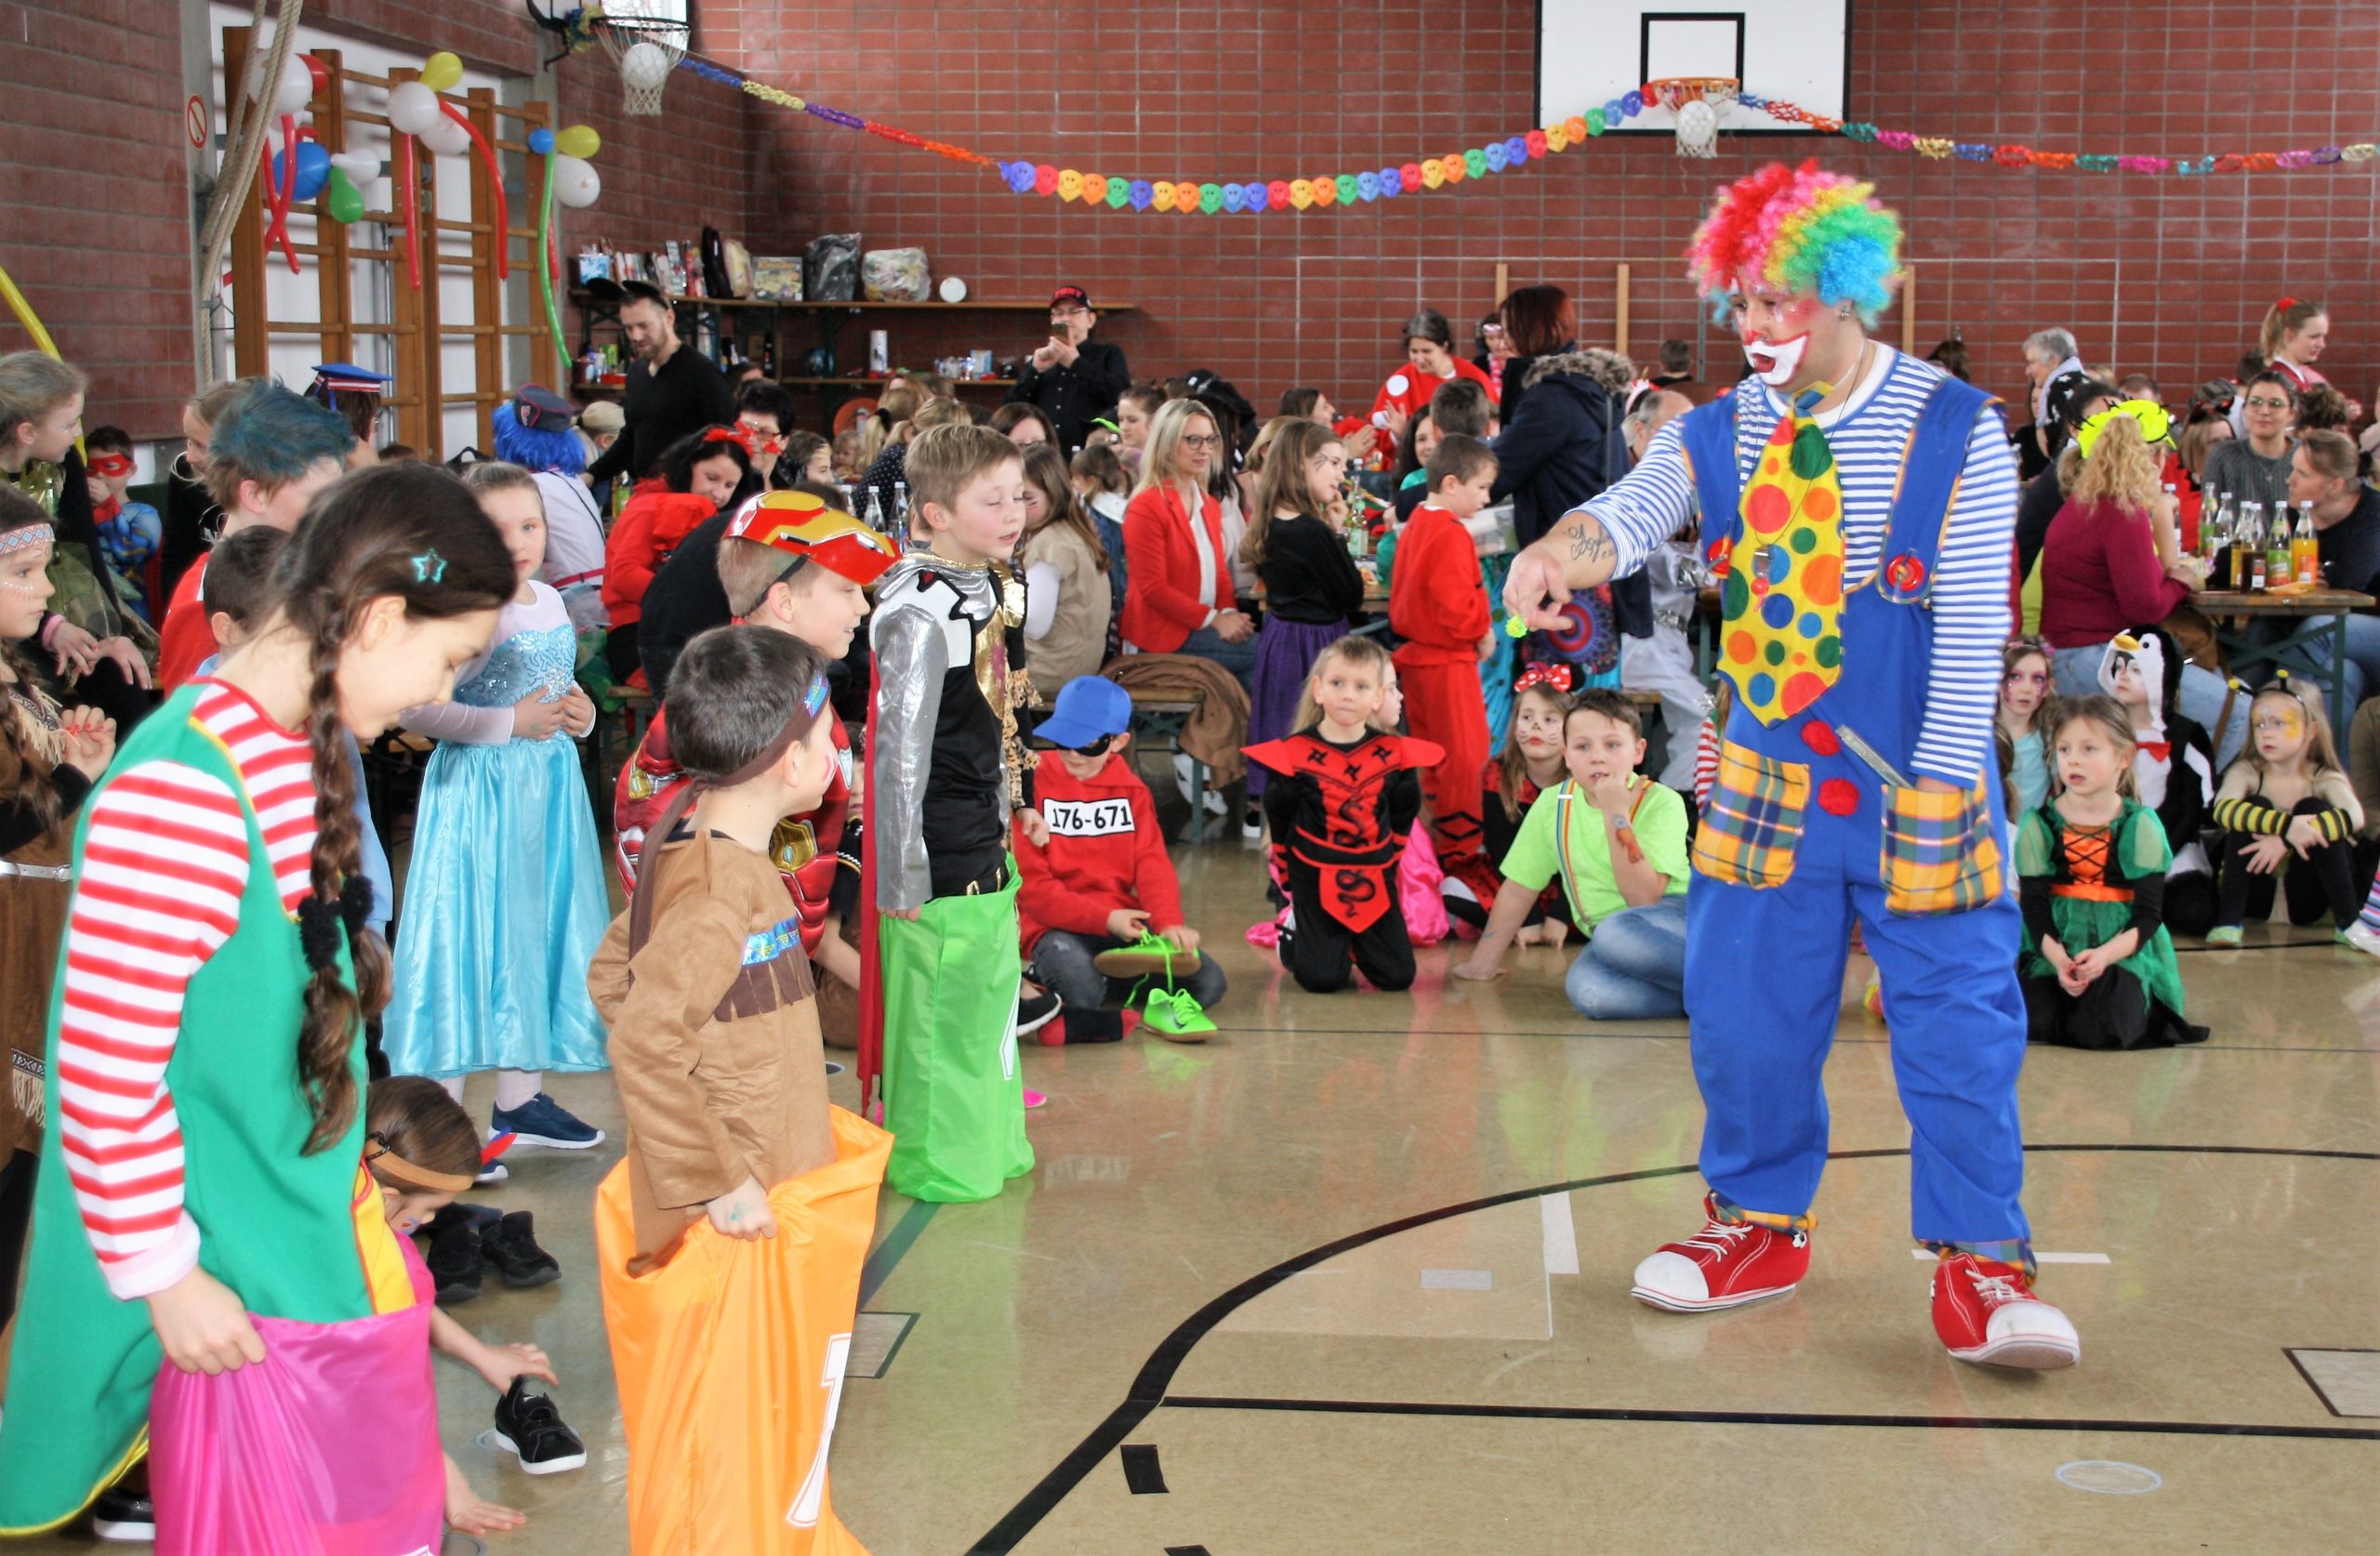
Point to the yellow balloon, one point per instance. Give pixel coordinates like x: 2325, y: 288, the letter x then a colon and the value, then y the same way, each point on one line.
x: 579, y: 140
x: 442, y: 71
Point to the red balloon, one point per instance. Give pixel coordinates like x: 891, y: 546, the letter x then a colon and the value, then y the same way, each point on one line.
x: 320, y: 71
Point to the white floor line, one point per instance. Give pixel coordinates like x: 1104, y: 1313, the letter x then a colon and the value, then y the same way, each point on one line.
x: 1561, y: 1234
x: 2038, y: 1257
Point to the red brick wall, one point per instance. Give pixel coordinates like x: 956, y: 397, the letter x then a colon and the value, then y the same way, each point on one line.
x: 96, y: 229
x: 2169, y: 276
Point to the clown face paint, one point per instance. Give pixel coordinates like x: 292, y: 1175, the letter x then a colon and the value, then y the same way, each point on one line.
x: 1777, y: 362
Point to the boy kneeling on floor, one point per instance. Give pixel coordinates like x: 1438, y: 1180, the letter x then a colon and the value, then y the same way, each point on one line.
x: 1099, y: 905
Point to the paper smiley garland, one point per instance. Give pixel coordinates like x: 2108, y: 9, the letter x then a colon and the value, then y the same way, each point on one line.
x: 1336, y: 191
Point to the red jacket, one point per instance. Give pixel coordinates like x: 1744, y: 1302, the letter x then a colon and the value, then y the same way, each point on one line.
x: 649, y: 528
x: 2101, y: 575
x: 1161, y: 605
x: 1436, y: 602
x: 1106, y: 851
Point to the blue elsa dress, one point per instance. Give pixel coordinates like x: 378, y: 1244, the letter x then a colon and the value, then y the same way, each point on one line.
x: 505, y: 902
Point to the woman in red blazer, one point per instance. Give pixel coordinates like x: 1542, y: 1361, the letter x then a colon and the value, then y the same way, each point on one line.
x: 1177, y: 590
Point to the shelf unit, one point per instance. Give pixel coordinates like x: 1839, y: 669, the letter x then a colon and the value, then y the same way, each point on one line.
x: 742, y: 319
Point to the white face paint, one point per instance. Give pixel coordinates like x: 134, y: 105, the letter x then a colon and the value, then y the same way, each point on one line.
x: 1776, y: 361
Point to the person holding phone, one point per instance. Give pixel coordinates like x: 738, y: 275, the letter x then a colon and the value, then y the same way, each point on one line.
x: 1073, y: 379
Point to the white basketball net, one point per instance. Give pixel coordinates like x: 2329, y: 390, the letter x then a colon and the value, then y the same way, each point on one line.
x: 1696, y: 106
x: 646, y: 49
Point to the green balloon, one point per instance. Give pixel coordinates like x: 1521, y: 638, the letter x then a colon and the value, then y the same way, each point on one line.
x: 1211, y: 198
x: 1118, y: 191
x: 1348, y: 194
x: 341, y: 198
x: 1475, y: 162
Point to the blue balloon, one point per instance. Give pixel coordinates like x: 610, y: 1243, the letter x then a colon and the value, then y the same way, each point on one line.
x: 541, y: 141
x: 1392, y: 182
x: 1235, y: 198
x: 1493, y: 156
x: 1143, y: 192
x: 313, y: 171
x: 1515, y: 152
x: 1020, y: 176
x: 1368, y: 185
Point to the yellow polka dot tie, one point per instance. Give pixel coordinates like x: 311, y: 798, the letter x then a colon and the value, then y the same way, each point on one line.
x: 1782, y: 601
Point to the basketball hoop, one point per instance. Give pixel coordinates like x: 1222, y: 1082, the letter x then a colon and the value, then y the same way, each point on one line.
x: 645, y: 47
x: 1695, y: 102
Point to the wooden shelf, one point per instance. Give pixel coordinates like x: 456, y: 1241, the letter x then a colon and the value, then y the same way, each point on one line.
x: 861, y: 303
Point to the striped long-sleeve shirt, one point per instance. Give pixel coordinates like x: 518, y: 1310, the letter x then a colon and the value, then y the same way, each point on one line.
x: 163, y: 864
x: 1868, y: 434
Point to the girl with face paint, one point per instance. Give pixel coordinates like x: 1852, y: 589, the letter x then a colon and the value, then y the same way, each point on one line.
x: 2286, y: 794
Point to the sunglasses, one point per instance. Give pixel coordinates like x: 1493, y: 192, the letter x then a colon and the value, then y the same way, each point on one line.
x: 1096, y: 748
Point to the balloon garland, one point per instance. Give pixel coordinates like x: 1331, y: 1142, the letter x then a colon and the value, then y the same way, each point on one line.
x: 1338, y: 189
x: 27, y: 317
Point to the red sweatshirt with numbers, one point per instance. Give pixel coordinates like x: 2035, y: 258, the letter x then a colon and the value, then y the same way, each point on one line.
x: 1106, y: 851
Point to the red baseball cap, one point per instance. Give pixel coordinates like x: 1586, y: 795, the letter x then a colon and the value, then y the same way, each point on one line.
x: 1070, y: 296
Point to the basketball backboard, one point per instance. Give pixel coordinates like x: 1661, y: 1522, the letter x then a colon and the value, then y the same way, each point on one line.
x: 1592, y: 51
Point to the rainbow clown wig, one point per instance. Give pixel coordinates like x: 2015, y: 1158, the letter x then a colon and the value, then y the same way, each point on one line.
x: 1805, y: 232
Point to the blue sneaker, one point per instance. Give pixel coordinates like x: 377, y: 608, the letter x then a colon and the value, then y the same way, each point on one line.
x: 543, y: 1121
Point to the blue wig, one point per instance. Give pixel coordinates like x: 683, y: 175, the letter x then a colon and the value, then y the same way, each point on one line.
x: 273, y: 437
x: 560, y: 451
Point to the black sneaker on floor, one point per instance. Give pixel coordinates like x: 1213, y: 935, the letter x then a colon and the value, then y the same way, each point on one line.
x: 1035, y: 1011
x: 511, y: 1249
x: 528, y: 1425
x: 124, y: 1517
x: 453, y: 1257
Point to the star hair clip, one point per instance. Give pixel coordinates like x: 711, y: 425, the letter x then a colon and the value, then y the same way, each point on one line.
x: 429, y: 568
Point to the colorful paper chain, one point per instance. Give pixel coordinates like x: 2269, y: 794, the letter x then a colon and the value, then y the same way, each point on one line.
x: 1347, y: 189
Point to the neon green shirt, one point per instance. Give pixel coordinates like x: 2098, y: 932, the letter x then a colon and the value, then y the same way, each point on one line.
x: 1581, y: 849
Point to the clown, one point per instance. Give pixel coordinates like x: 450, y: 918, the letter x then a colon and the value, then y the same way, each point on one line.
x: 1860, y: 506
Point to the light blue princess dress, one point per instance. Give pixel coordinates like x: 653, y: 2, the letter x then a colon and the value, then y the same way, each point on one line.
x: 505, y: 905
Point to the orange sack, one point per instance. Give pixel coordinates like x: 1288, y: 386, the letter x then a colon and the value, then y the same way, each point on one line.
x: 730, y: 1359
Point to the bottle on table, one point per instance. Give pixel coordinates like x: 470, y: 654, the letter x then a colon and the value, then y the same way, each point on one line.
x: 2215, y: 531
x: 2305, y: 552
x: 2278, y: 567
x: 2248, y: 547
x: 874, y: 517
x: 901, y: 504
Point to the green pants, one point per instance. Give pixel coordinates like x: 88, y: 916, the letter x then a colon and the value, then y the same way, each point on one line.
x: 953, y: 1096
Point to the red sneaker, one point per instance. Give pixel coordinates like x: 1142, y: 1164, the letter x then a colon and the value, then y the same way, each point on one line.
x: 1724, y: 1265
x: 1986, y: 1312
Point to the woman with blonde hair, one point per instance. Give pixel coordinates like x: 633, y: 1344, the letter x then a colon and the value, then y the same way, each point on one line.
x: 2112, y: 561
x: 1178, y: 596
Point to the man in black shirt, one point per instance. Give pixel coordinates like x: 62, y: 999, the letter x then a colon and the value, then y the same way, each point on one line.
x: 1073, y: 379
x: 672, y: 392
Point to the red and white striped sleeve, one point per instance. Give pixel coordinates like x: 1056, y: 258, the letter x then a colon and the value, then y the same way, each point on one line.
x: 163, y: 864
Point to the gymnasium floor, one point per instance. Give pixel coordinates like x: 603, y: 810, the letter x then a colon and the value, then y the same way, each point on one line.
x: 1352, y: 1278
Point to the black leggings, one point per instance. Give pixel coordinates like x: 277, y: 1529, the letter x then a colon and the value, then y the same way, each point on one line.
x: 2324, y: 879
x: 620, y: 653
x: 1323, y: 953
x: 15, y: 1218
x: 2191, y: 907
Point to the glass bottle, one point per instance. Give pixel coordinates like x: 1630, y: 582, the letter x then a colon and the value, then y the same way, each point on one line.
x: 2278, y: 567
x: 2214, y: 529
x: 2248, y: 541
x: 2305, y: 552
x: 875, y: 514
x: 901, y: 502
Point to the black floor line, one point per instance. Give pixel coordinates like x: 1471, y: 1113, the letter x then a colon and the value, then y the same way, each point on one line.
x: 897, y: 1241
x: 1765, y: 1417
x: 1148, y: 1388
x: 1144, y: 1476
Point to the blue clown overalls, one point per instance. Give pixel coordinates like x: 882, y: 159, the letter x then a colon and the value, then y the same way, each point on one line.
x: 1799, y: 834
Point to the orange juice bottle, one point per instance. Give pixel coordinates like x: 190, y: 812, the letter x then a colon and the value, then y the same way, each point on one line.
x: 2305, y: 555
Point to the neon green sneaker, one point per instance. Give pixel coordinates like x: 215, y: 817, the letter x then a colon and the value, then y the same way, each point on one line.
x: 1177, y: 1018
x: 2223, y: 934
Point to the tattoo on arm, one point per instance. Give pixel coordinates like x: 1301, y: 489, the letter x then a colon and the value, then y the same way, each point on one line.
x: 1590, y: 543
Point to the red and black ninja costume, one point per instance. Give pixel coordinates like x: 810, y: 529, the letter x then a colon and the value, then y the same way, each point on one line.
x: 1340, y: 815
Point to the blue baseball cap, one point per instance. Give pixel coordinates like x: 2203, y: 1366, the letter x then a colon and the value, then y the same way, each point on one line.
x: 1089, y: 709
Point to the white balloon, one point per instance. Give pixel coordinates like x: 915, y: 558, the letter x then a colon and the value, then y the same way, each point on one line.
x: 361, y: 167
x: 296, y: 89
x: 446, y: 137
x: 413, y: 108
x: 577, y: 184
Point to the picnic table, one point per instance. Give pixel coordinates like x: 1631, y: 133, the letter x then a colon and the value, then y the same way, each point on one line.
x: 2315, y: 646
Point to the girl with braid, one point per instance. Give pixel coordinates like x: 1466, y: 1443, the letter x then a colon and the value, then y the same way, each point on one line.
x: 204, y: 1236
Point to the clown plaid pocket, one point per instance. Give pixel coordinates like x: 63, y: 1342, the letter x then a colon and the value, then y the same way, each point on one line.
x: 1753, y: 825
x: 1940, y: 853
